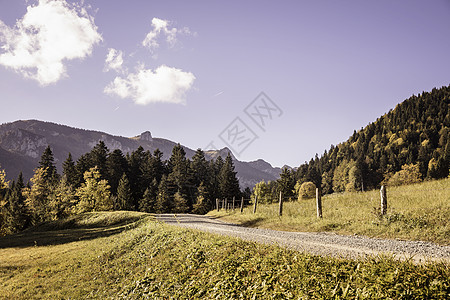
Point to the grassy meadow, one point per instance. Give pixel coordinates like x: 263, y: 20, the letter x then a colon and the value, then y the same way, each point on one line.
x: 415, y: 212
x: 129, y: 255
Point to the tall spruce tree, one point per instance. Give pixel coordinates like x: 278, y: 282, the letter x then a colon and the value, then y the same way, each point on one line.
x: 98, y: 157
x: 228, y: 182
x: 163, y: 198
x: 179, y: 179
x: 199, y: 167
x: 17, y: 208
x: 116, y: 165
x: 70, y: 171
x: 124, y: 197
x: 148, y: 201
x: 135, y: 162
x: 47, y: 163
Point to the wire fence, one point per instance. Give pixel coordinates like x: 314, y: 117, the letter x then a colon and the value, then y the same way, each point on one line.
x: 379, y: 198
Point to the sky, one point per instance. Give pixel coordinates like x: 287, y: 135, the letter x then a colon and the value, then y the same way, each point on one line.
x: 277, y: 80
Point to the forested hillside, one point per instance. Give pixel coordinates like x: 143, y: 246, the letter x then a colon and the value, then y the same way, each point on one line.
x: 101, y: 180
x: 410, y: 143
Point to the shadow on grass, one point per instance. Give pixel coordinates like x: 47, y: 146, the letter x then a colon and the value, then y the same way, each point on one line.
x: 252, y: 223
x: 70, y: 230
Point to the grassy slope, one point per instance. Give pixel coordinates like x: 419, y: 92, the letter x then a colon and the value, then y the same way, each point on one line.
x: 129, y: 255
x: 416, y: 212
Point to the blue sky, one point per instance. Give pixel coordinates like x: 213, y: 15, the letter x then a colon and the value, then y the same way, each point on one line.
x: 191, y: 71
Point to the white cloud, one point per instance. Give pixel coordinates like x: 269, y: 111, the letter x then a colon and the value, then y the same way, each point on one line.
x: 114, y: 61
x: 162, y: 27
x: 165, y: 84
x: 50, y: 33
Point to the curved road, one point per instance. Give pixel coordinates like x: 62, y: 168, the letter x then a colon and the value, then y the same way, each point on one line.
x: 329, y: 244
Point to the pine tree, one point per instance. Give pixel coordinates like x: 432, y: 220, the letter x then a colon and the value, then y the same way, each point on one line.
x: 98, y: 156
x: 16, y: 214
x: 203, y: 203
x: 228, y: 182
x: 47, y: 163
x: 116, y: 165
x: 199, y: 167
x: 69, y: 171
x: 135, y: 162
x: 286, y: 183
x: 179, y: 178
x: 180, y: 204
x: 158, y: 167
x: 148, y: 201
x: 163, y: 201
x: 124, y: 197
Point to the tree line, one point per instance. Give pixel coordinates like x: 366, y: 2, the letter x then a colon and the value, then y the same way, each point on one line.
x: 409, y: 144
x: 101, y: 180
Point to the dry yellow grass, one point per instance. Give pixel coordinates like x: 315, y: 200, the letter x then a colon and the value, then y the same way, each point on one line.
x: 416, y: 212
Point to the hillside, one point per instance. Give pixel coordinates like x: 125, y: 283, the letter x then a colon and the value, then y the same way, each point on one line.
x: 23, y: 142
x: 416, y: 132
x: 127, y: 255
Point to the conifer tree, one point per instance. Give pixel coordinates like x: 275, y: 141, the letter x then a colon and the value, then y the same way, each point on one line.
x: 98, y: 157
x: 116, y: 165
x: 16, y: 213
x: 148, y: 201
x: 135, y: 162
x: 203, y: 203
x: 179, y: 179
x: 228, y: 182
x: 180, y: 204
x: 163, y: 201
x: 199, y: 167
x: 47, y: 163
x: 124, y: 197
x: 69, y: 171
x: 286, y: 183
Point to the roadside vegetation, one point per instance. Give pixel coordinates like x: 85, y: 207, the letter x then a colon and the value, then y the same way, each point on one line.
x: 415, y: 212
x: 129, y: 255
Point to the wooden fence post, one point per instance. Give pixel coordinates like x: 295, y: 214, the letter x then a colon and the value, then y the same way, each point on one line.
x: 226, y: 204
x: 256, y: 203
x: 280, y: 207
x: 319, y: 203
x: 383, y: 200
x: 217, y: 204
x: 234, y: 199
x: 242, y: 205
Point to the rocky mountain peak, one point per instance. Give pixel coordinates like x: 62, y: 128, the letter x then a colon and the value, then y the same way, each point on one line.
x: 146, y: 136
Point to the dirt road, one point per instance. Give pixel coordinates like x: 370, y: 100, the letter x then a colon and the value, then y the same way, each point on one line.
x: 329, y: 244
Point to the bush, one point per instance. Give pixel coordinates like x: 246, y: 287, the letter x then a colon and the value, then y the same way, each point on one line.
x: 307, y: 190
x: 409, y: 174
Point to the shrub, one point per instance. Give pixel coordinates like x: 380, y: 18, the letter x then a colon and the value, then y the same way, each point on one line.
x: 409, y: 174
x: 307, y: 190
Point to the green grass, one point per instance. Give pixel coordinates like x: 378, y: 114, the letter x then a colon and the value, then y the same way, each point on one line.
x: 135, y: 257
x: 415, y: 212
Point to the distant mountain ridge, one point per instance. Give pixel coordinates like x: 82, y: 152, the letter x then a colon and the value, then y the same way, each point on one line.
x: 22, y: 143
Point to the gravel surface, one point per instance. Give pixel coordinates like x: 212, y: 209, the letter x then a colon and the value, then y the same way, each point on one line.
x: 321, y: 243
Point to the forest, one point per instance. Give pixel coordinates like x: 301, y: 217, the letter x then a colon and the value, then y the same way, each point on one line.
x: 409, y: 144
x: 102, y: 180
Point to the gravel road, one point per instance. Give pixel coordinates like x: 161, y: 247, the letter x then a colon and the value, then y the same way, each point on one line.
x: 329, y: 244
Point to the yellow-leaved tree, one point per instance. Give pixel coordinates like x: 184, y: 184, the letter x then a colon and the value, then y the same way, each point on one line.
x: 94, y: 194
x: 37, y: 197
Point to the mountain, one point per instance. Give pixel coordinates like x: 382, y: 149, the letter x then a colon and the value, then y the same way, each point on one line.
x: 416, y: 134
x: 22, y: 144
